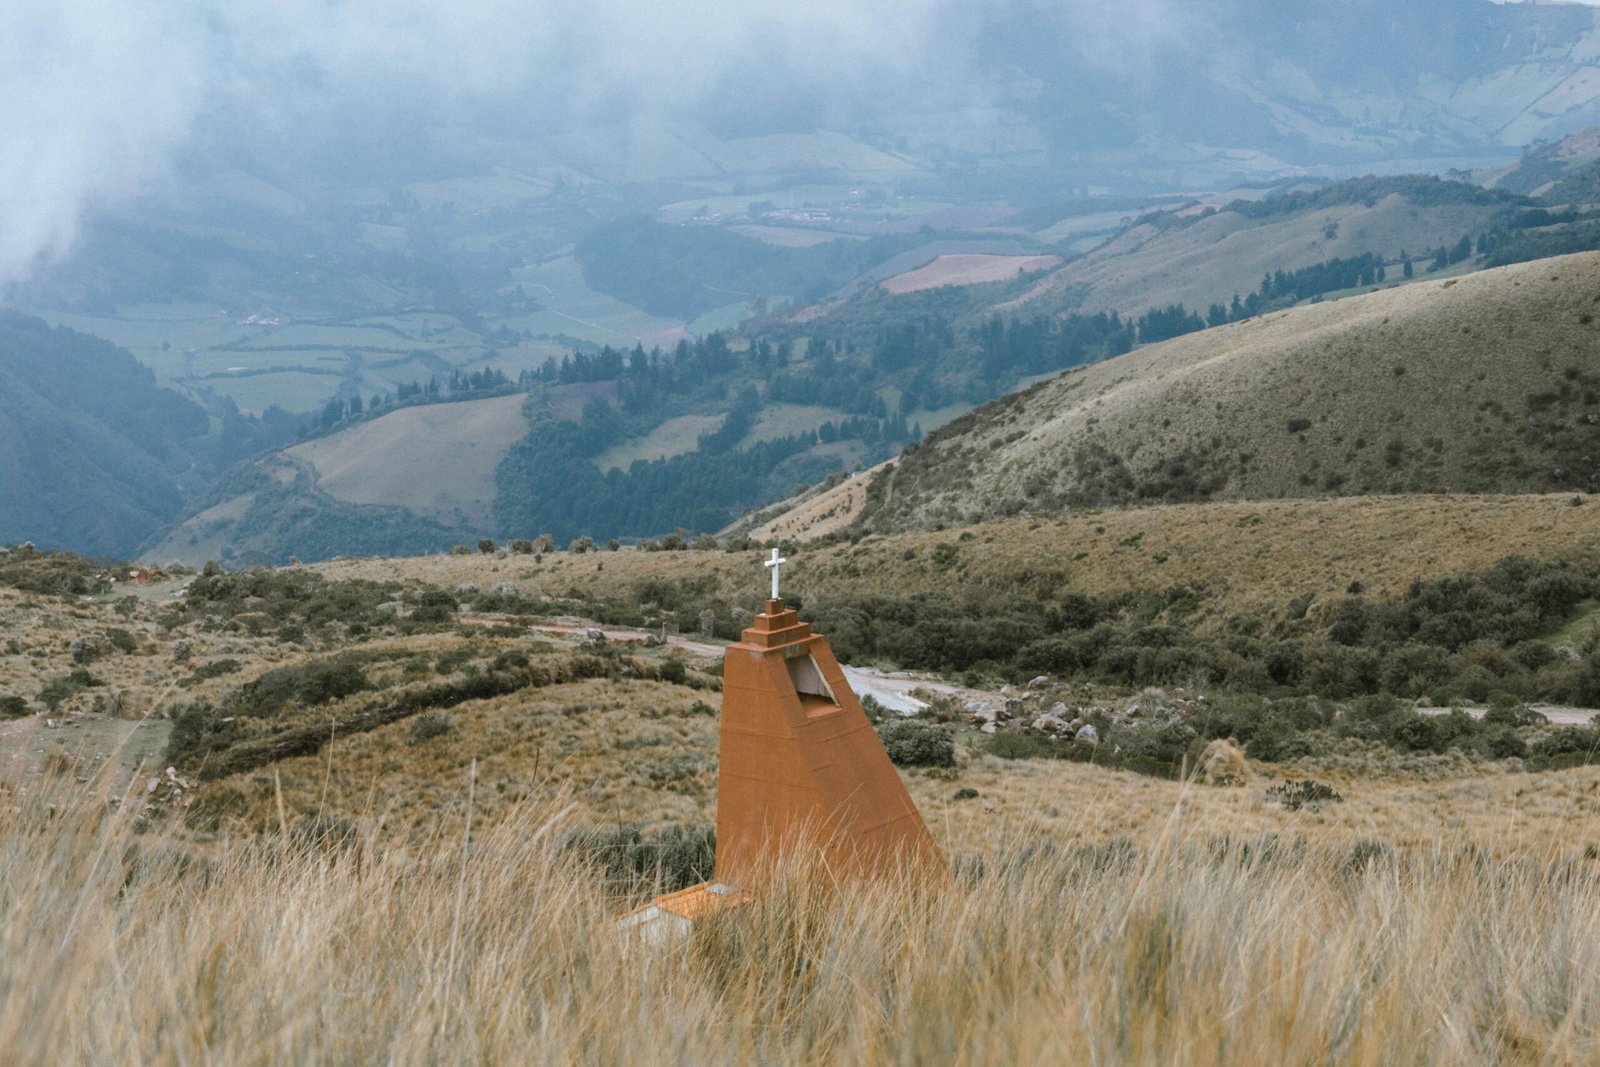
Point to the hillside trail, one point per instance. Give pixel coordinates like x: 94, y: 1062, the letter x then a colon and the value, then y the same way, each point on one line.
x: 1558, y: 716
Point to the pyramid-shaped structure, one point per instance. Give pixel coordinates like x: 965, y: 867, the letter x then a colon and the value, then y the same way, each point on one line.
x: 799, y: 759
x: 800, y: 767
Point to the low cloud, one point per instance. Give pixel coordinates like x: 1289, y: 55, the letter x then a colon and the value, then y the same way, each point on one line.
x: 96, y: 96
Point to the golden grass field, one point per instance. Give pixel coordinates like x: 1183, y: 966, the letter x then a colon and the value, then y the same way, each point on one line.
x: 1190, y: 939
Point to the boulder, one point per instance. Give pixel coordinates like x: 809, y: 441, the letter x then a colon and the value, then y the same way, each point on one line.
x: 595, y: 634
x: 466, y: 588
x: 1052, y: 724
x: 1038, y: 683
x: 983, y: 713
x: 1088, y: 735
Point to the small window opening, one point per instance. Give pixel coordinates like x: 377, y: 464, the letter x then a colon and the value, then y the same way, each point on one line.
x: 808, y: 680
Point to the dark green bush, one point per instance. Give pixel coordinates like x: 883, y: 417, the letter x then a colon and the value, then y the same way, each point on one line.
x: 65, y: 687
x: 1295, y: 795
x: 214, y: 669
x: 914, y: 743
x: 1501, y: 742
x: 13, y: 707
x: 1159, y: 741
x: 121, y: 640
x: 1570, y: 744
x: 431, y: 724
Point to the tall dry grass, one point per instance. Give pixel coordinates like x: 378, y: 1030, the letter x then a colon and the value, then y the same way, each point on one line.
x: 122, y: 947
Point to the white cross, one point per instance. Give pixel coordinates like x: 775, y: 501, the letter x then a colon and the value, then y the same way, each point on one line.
x: 774, y: 563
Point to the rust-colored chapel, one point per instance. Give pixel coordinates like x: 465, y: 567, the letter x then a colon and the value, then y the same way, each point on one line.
x: 799, y: 766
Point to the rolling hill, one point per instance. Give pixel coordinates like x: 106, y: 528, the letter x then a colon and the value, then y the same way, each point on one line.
x: 1198, y: 257
x: 1477, y: 384
x: 416, y: 479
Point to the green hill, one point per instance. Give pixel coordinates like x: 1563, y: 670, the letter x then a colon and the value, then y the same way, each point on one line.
x: 1484, y: 383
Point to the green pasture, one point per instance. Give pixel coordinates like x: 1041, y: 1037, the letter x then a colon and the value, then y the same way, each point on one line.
x: 573, y: 309
x: 290, y: 390
x: 672, y: 438
x: 786, y: 420
x: 1584, y: 624
x: 726, y: 317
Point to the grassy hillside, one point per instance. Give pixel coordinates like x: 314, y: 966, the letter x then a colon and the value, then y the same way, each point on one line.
x: 1482, y: 383
x: 370, y: 780
x: 433, y: 459
x: 410, y: 480
x: 372, y: 758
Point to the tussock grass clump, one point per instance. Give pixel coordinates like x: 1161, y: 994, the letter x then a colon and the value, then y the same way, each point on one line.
x: 323, y: 944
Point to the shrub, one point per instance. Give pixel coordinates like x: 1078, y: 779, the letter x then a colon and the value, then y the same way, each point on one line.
x: 66, y: 687
x: 13, y: 707
x: 914, y: 743
x: 431, y: 724
x: 1569, y: 744
x: 121, y: 640
x: 520, y: 546
x: 1585, y: 686
x: 1016, y: 744
x: 215, y: 669
x: 435, y: 605
x: 486, y: 546
x: 1501, y: 742
x: 1295, y: 795
x: 1163, y: 741
x: 324, y: 681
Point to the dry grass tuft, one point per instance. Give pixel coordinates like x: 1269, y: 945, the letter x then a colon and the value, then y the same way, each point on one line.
x: 1183, y: 947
